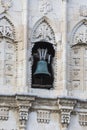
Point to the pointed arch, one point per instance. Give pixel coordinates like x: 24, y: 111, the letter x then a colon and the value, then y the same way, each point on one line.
x: 79, y: 33
x: 43, y: 31
x: 6, y: 28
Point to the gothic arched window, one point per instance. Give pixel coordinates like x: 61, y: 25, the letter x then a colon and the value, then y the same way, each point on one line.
x: 43, y: 52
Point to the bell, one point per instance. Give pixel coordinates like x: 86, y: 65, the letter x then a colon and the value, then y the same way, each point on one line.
x: 42, y: 68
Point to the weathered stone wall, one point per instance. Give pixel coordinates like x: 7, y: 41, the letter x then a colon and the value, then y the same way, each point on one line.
x: 63, y: 23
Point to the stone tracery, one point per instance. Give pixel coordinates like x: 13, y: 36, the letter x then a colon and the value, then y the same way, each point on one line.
x: 43, y: 32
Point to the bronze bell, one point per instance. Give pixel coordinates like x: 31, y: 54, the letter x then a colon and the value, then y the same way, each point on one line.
x: 42, y: 68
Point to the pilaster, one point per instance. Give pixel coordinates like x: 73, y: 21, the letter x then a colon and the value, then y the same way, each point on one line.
x: 64, y: 44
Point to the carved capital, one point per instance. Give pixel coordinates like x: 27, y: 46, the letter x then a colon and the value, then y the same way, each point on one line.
x: 65, y: 116
x: 23, y: 115
x: 24, y: 104
x: 66, y: 107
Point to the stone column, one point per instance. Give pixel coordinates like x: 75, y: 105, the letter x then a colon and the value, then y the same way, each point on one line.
x: 25, y: 42
x: 64, y: 44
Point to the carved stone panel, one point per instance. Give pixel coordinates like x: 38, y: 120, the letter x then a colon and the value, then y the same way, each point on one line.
x: 78, y: 68
x: 45, y: 6
x: 43, y: 32
x: 6, y: 28
x: 83, y: 10
x: 8, y: 52
x: 83, y: 119
x: 80, y: 33
x: 6, y: 4
x: 43, y: 116
x: 4, y: 113
x: 9, y: 63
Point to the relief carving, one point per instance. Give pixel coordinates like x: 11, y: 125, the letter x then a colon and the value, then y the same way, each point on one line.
x: 4, y: 113
x: 43, y: 32
x: 77, y: 68
x: 45, y: 6
x: 7, y: 34
x: 6, y: 28
x: 23, y: 113
x: 80, y: 34
x: 83, y: 10
x: 6, y: 4
x: 83, y: 119
x: 43, y: 116
x: 66, y: 107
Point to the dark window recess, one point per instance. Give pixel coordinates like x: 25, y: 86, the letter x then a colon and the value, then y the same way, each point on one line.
x: 42, y: 72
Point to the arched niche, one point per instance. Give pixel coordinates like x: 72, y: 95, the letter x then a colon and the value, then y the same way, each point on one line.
x: 7, y: 52
x: 43, y: 43
x: 78, y: 58
x: 42, y: 71
x: 79, y: 33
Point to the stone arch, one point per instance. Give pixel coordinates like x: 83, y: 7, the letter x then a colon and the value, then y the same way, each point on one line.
x: 43, y: 31
x: 79, y: 33
x: 7, y: 28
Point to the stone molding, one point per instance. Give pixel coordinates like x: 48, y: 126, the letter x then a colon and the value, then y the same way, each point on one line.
x: 65, y: 107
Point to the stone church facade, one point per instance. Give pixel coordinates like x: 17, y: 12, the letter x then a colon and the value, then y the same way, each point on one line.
x: 43, y: 64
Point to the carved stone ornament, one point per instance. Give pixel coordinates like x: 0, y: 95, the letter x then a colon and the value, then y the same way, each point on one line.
x: 80, y: 34
x: 23, y: 115
x: 65, y: 116
x: 83, y: 10
x: 43, y: 116
x: 6, y: 28
x: 4, y: 113
x: 43, y: 32
x: 45, y: 6
x: 83, y: 118
x: 6, y: 4
x: 66, y: 107
x: 23, y: 105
